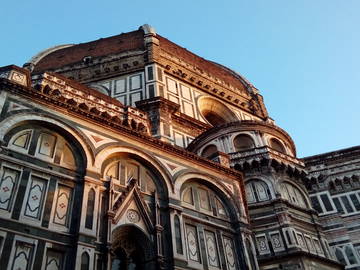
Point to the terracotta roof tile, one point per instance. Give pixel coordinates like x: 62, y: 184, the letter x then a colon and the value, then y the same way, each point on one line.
x: 133, y: 41
x: 101, y: 47
x: 207, y: 66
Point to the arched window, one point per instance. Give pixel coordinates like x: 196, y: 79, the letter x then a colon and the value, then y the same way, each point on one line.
x: 208, y: 208
x: 243, y: 142
x: 123, y: 170
x: 85, y: 261
x: 204, y: 199
x: 90, y: 209
x: 209, y: 151
x: 178, y: 238
x: 45, y: 195
x: 350, y: 255
x: 277, y: 145
x: 292, y: 194
x: 257, y: 191
x: 340, y: 256
x: 43, y: 143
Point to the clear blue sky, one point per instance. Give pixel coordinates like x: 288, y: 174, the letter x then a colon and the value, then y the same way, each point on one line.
x: 303, y: 55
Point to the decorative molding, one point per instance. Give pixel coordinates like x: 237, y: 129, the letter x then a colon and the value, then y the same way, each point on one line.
x: 96, y: 139
x: 61, y: 105
x: 172, y: 167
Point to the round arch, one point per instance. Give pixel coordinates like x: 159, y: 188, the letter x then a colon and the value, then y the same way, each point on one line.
x: 150, y: 162
x: 243, y: 141
x: 132, y: 246
x: 215, y: 112
x: 19, y: 119
x: 224, y: 193
x: 297, y: 186
x: 267, y: 181
x: 277, y: 145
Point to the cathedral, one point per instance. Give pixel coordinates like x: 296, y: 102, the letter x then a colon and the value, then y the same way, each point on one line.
x: 132, y: 153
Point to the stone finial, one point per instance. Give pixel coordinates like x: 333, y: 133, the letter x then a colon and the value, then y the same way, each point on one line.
x: 148, y: 29
x: 149, y: 35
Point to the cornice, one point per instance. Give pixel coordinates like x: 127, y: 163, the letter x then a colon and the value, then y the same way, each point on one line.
x: 239, y: 98
x: 340, y: 155
x: 61, y: 105
x: 217, y: 131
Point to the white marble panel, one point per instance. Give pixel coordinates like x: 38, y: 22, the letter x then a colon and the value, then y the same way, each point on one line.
x: 35, y: 198
x: 62, y: 208
x: 8, y: 186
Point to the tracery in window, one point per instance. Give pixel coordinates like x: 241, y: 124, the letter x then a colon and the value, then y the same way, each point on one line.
x: 292, y: 194
x: 346, y: 255
x: 257, y: 191
x: 124, y: 170
x: 188, y: 196
x: 206, y: 200
x: 48, y: 145
x: 202, y: 202
x: 243, y: 142
x: 350, y: 255
x: 340, y: 256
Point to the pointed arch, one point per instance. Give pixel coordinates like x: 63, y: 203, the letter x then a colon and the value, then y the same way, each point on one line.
x: 85, y: 261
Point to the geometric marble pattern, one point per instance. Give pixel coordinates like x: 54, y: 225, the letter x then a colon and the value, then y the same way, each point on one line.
x: 62, y: 205
x: 35, y: 198
x: 54, y: 260
x: 229, y: 253
x: 192, y: 242
x: 8, y: 185
x: 211, y: 248
x: 23, y: 256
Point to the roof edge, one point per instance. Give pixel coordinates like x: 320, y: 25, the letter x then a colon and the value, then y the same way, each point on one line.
x: 36, y: 58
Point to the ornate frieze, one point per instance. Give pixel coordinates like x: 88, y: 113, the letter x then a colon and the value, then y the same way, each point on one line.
x: 87, y: 100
